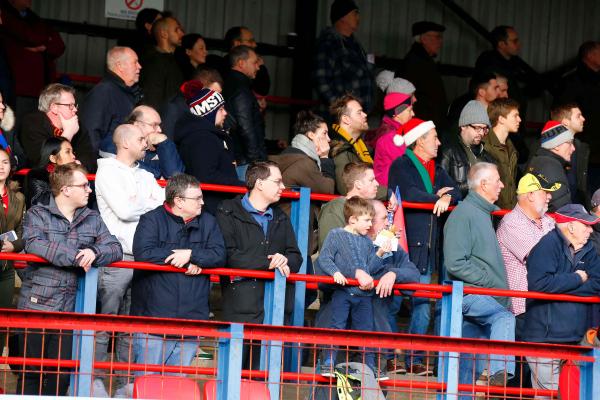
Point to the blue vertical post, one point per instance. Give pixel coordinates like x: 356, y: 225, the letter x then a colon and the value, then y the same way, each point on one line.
x: 270, y: 354
x: 300, y: 222
x: 83, y: 341
x: 589, y: 384
x: 450, y: 326
x: 229, y: 364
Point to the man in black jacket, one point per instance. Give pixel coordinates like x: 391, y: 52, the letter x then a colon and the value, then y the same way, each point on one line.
x: 204, y: 146
x: 467, y: 149
x: 249, y: 134
x: 257, y: 236
x: 420, y: 68
x: 552, y: 160
x: 177, y: 233
x: 112, y: 99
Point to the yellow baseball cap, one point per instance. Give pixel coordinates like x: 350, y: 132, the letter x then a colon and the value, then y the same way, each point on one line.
x: 533, y: 181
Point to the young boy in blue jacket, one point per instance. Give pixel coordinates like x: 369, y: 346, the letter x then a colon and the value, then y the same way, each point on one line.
x: 349, y: 253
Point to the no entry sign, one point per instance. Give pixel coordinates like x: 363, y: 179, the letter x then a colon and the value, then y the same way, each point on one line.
x: 128, y: 9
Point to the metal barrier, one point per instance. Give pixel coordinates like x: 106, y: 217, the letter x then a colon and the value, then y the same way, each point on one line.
x: 227, y: 340
x: 273, y: 347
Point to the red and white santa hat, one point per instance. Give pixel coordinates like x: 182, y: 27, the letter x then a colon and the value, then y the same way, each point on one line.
x: 412, y: 130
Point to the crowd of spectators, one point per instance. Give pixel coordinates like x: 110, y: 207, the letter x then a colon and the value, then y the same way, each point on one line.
x: 167, y: 109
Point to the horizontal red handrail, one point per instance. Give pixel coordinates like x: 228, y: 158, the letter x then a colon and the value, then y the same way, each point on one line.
x: 287, y: 194
x: 261, y: 274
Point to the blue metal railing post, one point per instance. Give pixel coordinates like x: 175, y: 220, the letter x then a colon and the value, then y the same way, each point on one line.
x: 300, y: 221
x: 229, y: 364
x: 451, y: 326
x: 83, y: 341
x: 270, y: 352
x: 589, y: 383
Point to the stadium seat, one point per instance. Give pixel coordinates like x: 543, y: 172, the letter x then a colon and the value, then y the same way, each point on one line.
x: 250, y: 390
x: 165, y: 387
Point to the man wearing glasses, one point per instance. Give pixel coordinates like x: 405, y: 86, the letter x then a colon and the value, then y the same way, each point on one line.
x: 180, y: 234
x: 56, y: 116
x: 162, y: 158
x: 258, y: 235
x: 73, y: 239
x: 467, y: 149
x: 124, y: 192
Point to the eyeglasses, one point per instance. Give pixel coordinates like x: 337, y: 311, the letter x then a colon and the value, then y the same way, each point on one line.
x: 84, y: 186
x: 153, y: 125
x: 196, y: 199
x: 279, y: 182
x: 480, y: 129
x: 70, y: 105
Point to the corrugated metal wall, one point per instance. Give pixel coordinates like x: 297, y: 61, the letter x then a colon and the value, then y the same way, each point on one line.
x: 550, y: 32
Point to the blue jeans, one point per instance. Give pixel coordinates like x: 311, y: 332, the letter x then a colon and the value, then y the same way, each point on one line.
x: 151, y: 349
x: 419, y: 321
x: 360, y: 309
x: 485, y: 318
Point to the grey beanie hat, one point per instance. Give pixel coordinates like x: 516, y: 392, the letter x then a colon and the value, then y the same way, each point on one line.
x: 474, y: 113
x: 388, y: 84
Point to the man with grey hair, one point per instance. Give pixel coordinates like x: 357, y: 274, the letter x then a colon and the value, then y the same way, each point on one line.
x: 112, y: 99
x: 124, y: 192
x: 564, y: 261
x: 56, y: 116
x: 198, y: 245
x: 472, y: 255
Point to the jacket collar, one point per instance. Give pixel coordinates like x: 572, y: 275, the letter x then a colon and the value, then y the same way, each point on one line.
x: 481, y: 203
x: 547, y: 153
x: 52, y: 208
x: 135, y: 90
x: 235, y: 208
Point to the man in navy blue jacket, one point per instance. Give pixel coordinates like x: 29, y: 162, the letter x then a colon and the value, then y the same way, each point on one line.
x: 180, y: 234
x: 564, y: 261
x: 422, y: 180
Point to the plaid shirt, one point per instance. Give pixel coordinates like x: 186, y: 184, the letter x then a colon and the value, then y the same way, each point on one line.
x: 342, y: 66
x: 48, y: 234
x: 517, y: 235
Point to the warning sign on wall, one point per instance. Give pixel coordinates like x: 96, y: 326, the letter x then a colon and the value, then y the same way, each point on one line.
x: 128, y: 9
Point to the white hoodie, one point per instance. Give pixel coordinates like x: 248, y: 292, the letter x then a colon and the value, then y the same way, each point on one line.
x: 124, y: 194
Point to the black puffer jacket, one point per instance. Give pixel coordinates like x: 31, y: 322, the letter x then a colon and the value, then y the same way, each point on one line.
x: 552, y: 166
x: 37, y: 187
x: 456, y: 162
x: 249, y: 132
x: 248, y: 248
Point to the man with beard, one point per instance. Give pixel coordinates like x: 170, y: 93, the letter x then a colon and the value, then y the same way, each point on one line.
x: 347, y: 145
x: 460, y: 156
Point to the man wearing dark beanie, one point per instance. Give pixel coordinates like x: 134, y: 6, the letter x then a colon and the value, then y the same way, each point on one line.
x: 341, y: 63
x: 204, y: 146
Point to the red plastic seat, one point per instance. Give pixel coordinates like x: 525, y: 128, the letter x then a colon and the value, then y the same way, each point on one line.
x: 568, y: 382
x: 249, y: 390
x: 165, y: 387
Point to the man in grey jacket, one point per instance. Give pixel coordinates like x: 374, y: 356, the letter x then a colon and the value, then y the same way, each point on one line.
x: 472, y: 255
x: 73, y: 239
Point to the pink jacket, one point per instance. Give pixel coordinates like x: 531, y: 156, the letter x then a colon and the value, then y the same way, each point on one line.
x: 386, y: 151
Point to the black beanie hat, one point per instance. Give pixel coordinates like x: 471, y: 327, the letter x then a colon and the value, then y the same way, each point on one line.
x: 340, y: 8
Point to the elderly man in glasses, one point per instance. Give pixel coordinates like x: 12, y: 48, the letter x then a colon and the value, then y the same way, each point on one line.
x: 56, y: 116
x: 467, y: 149
x: 161, y: 158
